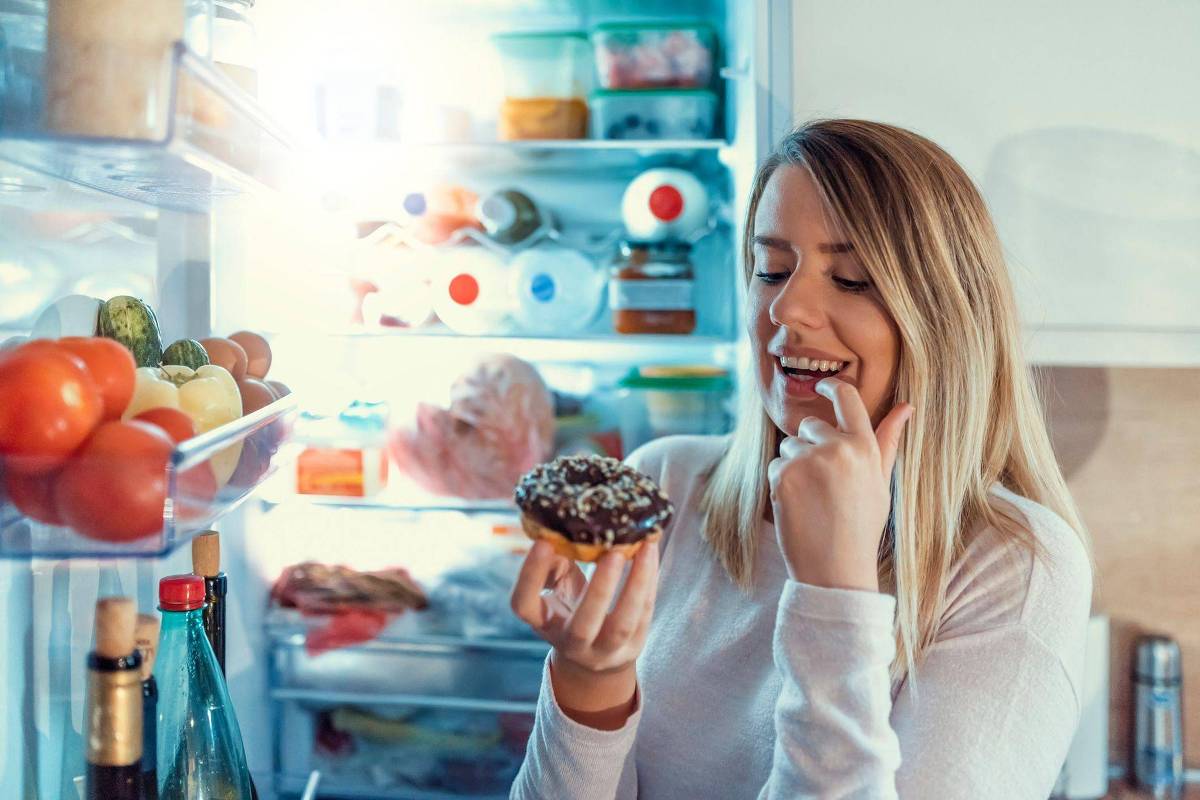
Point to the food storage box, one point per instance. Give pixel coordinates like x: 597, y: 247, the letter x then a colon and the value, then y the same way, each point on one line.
x: 632, y: 56
x: 664, y: 401
x: 544, y: 65
x: 546, y: 81
x: 653, y: 114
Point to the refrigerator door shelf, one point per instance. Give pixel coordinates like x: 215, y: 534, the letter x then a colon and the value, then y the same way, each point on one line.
x: 217, y: 142
x: 258, y: 443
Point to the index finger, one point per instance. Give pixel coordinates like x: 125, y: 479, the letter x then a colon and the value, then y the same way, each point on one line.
x: 541, y: 564
x: 848, y: 406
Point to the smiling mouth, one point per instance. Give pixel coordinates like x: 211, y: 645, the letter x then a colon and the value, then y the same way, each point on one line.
x: 810, y: 367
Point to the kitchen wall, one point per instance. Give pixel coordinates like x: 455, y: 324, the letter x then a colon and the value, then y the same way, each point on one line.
x: 1129, y: 442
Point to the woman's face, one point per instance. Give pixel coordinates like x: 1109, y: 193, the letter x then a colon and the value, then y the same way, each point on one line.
x: 812, y: 311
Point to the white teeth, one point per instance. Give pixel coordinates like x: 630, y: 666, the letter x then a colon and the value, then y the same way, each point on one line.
x: 811, y: 364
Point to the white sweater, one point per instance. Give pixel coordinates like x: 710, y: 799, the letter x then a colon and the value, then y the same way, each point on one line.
x: 784, y: 692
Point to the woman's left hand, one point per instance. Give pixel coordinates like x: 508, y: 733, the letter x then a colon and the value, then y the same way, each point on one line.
x: 831, y: 491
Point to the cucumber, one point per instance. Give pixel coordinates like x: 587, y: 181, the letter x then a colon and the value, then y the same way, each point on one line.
x: 132, y: 323
x: 186, y: 353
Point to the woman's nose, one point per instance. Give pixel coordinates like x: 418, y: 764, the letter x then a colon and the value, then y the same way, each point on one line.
x: 800, y: 304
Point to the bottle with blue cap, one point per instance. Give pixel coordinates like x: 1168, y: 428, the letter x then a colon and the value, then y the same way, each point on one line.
x: 557, y: 290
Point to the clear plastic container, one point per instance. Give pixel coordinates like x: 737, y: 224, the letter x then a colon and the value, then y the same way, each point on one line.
x: 544, y: 65
x: 670, y: 400
x: 108, y: 67
x: 546, y: 82
x: 667, y: 54
x: 653, y: 114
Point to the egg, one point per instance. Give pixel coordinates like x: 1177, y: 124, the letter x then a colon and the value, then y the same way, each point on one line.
x: 227, y: 354
x: 255, y: 395
x: 280, y: 389
x: 258, y: 353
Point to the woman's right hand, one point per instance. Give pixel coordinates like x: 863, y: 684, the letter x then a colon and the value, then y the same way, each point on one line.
x: 594, y: 649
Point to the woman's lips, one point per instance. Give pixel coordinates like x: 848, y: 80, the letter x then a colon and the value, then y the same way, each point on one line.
x: 803, y: 387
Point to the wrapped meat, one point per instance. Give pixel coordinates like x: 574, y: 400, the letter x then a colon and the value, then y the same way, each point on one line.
x: 354, y: 606
x: 500, y: 424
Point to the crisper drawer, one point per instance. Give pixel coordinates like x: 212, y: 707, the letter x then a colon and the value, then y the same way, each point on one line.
x: 397, y: 751
x: 424, y: 670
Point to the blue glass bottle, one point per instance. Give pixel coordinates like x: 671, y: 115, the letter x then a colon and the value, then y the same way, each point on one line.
x: 200, y: 754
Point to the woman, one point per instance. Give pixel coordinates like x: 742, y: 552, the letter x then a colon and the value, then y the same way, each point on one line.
x: 878, y: 585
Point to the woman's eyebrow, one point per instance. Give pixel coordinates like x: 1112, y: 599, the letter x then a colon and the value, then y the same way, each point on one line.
x: 776, y: 243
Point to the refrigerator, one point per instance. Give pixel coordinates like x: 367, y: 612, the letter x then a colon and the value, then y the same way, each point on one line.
x: 263, y: 178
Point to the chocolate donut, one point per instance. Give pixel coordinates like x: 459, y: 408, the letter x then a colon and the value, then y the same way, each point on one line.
x: 588, y: 505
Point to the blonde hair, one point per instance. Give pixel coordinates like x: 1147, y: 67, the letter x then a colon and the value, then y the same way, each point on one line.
x: 923, y: 234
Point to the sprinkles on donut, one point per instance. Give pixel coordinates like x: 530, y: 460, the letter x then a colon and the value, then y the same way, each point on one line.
x: 586, y: 506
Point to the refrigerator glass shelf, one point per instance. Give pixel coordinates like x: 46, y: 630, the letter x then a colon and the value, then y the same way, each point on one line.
x: 400, y: 494
x: 573, y: 155
x: 323, y: 696
x: 411, y: 632
x: 609, y: 348
x: 293, y: 786
x: 254, y: 446
x: 217, y: 142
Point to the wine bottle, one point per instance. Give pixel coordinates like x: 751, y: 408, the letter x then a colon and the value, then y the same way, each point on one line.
x: 114, y: 705
x: 146, y: 640
x: 206, y: 562
x: 200, y: 754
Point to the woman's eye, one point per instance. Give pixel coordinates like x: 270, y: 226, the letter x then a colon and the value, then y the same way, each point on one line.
x: 856, y: 287
x: 772, y: 277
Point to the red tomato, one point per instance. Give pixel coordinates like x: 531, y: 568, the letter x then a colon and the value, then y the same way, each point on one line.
x: 195, y: 493
x: 175, y: 423
x: 115, y: 487
x: 198, y: 485
x: 33, y: 495
x: 111, y: 366
x: 49, y: 404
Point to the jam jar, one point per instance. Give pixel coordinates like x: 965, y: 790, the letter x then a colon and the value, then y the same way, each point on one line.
x: 652, y: 288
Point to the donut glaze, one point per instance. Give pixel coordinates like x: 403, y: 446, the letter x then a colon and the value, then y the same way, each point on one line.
x: 594, y: 500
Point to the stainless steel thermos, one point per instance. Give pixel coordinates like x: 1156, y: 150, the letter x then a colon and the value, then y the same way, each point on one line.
x: 1158, y: 710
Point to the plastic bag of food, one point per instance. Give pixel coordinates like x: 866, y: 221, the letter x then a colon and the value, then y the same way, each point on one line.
x: 500, y: 424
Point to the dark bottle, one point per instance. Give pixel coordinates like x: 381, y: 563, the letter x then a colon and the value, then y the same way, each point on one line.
x: 200, y: 753
x: 146, y: 640
x: 114, y: 705
x: 509, y: 216
x: 206, y: 562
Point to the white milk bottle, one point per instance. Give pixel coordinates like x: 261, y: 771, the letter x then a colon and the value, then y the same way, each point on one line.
x: 664, y: 203
x: 557, y: 290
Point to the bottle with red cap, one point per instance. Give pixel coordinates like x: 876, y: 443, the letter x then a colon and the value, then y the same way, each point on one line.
x: 664, y: 203
x: 200, y: 753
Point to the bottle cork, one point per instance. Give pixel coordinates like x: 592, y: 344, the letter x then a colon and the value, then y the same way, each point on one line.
x: 146, y: 640
x: 206, y: 555
x: 115, y: 621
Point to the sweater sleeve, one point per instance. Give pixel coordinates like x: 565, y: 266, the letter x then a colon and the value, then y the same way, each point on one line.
x: 568, y: 761
x: 990, y: 714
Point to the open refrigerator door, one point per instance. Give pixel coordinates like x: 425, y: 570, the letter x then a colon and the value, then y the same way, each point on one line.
x: 470, y: 237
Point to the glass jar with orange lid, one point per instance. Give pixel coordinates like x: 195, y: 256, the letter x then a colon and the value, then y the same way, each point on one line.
x: 652, y: 288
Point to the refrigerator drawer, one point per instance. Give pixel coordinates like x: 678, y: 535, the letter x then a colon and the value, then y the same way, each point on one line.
x: 398, y: 752
x: 430, y: 673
